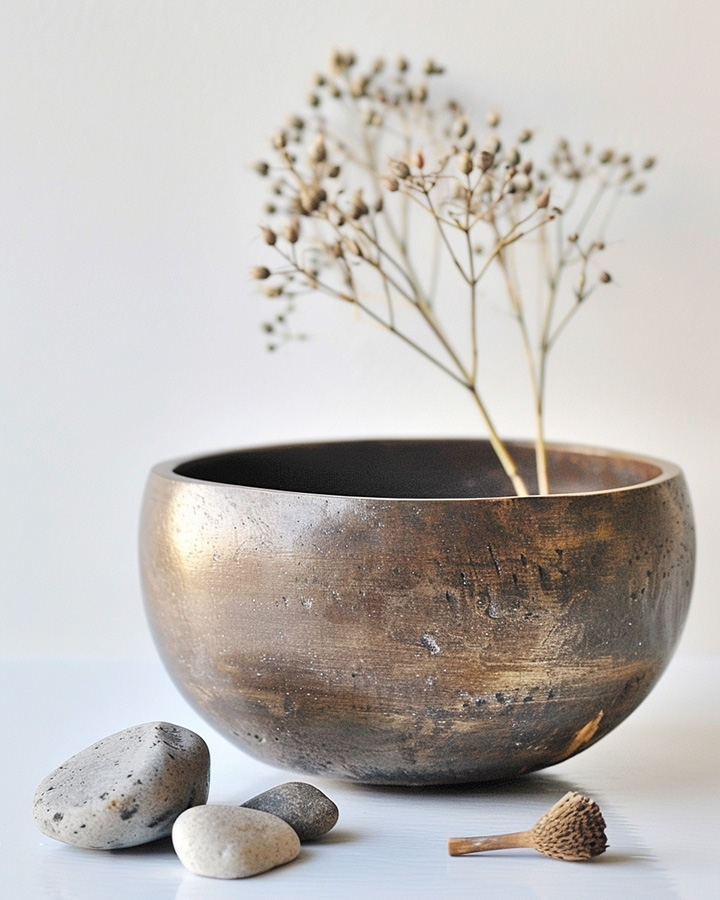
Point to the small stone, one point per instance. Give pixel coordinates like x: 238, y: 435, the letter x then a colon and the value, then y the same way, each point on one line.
x: 305, y: 808
x: 126, y: 789
x: 232, y: 842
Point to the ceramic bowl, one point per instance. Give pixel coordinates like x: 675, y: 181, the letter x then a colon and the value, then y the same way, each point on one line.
x: 383, y: 611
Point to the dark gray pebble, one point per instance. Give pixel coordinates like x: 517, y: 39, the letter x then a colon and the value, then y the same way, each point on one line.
x: 305, y: 808
x: 126, y: 789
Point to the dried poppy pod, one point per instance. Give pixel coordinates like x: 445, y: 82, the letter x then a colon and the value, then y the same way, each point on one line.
x: 573, y: 829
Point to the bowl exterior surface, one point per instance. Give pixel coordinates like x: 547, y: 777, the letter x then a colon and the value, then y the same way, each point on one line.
x: 415, y: 641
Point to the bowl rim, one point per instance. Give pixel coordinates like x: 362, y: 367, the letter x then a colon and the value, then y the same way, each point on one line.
x: 167, y: 469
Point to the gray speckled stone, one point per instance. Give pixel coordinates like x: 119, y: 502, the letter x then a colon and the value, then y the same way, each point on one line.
x: 126, y: 789
x: 303, y: 806
x: 232, y: 842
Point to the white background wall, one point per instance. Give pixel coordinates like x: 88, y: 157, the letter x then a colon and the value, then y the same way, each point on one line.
x: 128, y: 214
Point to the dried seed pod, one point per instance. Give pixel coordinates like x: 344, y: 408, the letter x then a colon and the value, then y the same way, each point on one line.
x: 419, y: 93
x: 486, y: 160
x: 573, y: 829
x: 337, y: 63
x: 432, y: 68
x: 513, y: 156
x: 311, y: 196
x: 417, y: 159
x: 492, y: 144
x: 543, y: 199
x: 291, y: 231
x: 465, y: 163
x: 522, y: 182
x: 399, y: 168
x: 358, y: 208
x: 460, y: 126
x: 358, y: 86
x: 317, y: 151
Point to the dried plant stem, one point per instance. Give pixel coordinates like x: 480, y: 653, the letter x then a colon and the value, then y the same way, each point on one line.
x: 593, y: 204
x: 460, y: 375
x: 345, y: 197
x: 512, y: 840
x: 469, y: 377
x: 473, y: 282
x: 440, y: 222
x: 353, y: 299
x: 385, y: 281
x: 535, y: 385
x: 412, y: 293
x: 464, y: 377
x: 501, y: 451
x: 401, y: 243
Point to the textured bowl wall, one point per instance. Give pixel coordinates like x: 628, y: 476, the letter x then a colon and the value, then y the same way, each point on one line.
x: 353, y: 610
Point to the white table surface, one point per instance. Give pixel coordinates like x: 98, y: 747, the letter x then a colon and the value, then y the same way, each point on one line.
x: 656, y: 779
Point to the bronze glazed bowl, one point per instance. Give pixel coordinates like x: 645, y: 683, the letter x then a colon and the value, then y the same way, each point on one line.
x: 383, y: 611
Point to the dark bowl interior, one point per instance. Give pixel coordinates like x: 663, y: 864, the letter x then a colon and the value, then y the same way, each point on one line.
x: 413, y: 469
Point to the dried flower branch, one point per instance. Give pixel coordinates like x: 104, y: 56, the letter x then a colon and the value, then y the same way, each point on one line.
x: 572, y: 829
x: 354, y: 182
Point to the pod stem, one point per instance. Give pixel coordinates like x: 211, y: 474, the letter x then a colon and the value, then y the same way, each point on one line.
x: 465, y: 845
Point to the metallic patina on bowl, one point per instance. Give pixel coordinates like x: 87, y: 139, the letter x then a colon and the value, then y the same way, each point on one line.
x: 383, y: 611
